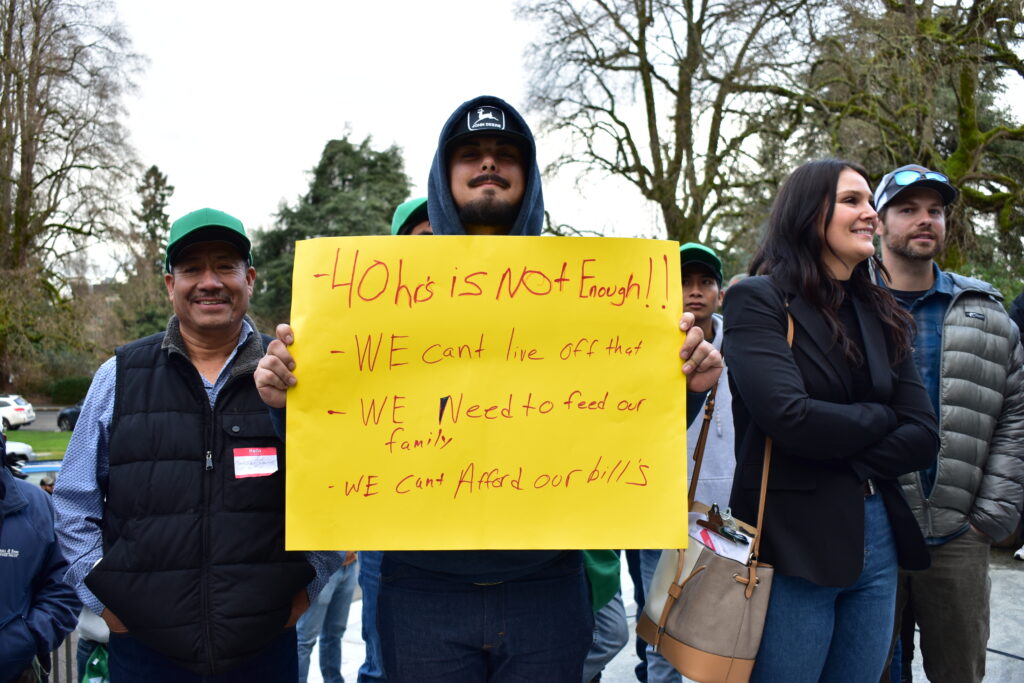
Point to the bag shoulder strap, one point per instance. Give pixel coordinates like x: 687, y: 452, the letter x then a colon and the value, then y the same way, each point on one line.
x: 698, y: 451
x: 751, y: 579
x: 755, y: 547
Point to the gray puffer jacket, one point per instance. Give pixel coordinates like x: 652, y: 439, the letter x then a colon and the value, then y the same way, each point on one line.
x: 980, y: 476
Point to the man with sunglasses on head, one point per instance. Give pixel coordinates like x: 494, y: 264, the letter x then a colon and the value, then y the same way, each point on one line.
x: 968, y: 353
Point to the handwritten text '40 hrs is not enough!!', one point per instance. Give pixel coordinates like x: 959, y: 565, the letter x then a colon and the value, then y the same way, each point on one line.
x: 362, y: 280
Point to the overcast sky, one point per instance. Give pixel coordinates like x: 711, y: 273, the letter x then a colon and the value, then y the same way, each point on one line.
x: 239, y: 98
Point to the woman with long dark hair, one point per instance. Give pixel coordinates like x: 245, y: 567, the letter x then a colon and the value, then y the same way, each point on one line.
x: 847, y: 414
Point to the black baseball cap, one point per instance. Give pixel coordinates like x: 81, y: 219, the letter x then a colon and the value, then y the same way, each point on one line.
x: 487, y: 119
x: 913, y: 175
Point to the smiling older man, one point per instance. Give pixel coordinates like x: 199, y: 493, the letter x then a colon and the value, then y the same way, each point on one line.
x: 171, y: 499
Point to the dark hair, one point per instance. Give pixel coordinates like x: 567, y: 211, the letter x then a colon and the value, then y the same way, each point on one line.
x: 790, y: 251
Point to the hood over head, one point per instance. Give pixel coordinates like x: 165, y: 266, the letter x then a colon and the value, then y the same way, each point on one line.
x: 444, y: 215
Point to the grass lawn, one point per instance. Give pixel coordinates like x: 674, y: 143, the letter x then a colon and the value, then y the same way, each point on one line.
x: 48, y: 445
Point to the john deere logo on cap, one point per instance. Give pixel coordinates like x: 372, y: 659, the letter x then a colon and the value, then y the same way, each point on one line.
x: 485, y: 118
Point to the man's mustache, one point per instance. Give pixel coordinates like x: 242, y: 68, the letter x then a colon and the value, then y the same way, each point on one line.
x: 490, y: 178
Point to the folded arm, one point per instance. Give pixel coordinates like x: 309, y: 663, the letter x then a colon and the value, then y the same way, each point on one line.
x: 768, y: 379
x: 913, y: 444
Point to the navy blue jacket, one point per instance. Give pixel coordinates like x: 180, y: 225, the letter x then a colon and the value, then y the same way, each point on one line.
x: 444, y: 216
x: 37, y: 609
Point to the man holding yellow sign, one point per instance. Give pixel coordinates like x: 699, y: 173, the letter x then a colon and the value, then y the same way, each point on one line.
x: 476, y: 584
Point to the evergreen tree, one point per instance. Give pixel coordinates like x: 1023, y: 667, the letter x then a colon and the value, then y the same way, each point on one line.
x: 143, y: 306
x: 154, y: 193
x: 354, y: 191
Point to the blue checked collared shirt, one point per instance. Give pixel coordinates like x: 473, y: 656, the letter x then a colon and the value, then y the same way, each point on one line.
x: 78, y: 497
x: 929, y: 311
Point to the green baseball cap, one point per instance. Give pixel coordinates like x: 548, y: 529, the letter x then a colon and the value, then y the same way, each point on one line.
x: 692, y: 252
x: 408, y: 215
x: 206, y: 225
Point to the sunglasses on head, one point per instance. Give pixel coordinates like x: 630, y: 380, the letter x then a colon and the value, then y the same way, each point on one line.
x: 909, y: 176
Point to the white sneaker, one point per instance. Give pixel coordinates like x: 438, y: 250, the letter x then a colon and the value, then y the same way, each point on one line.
x: 1020, y: 553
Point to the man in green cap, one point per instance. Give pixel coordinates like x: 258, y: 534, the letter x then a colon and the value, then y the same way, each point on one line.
x: 170, y: 507
x: 701, y: 273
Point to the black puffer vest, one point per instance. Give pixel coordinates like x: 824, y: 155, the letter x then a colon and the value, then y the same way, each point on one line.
x: 194, y: 561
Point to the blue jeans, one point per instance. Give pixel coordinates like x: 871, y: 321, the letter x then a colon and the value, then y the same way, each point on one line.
x: 635, y: 575
x: 326, y: 619
x: 896, y: 663
x: 611, y: 633
x: 132, y: 662
x: 658, y: 668
x: 84, y: 651
x: 439, y: 629
x: 822, y: 633
x: 372, y: 668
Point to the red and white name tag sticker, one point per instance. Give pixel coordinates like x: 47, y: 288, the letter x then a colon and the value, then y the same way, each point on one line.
x: 255, y: 462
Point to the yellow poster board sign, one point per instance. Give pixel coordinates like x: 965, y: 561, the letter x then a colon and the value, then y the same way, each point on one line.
x: 485, y: 393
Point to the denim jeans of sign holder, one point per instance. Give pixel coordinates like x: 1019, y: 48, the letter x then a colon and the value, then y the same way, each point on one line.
x: 437, y: 629
x: 822, y: 633
x: 326, y: 620
x: 372, y: 668
x: 636, y: 576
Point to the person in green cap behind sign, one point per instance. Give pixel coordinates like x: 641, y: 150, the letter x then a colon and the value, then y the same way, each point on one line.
x: 411, y: 218
x: 170, y: 506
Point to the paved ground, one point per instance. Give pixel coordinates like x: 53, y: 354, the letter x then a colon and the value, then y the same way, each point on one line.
x: 1006, y: 644
x: 46, y: 421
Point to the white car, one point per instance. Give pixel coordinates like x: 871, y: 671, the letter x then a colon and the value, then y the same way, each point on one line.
x: 15, y: 411
x: 20, y: 451
x: 18, y: 455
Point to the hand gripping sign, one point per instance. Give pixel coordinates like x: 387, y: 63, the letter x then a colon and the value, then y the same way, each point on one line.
x: 486, y: 392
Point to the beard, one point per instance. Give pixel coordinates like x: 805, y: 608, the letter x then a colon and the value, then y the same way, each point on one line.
x: 489, y: 211
x: 903, y: 246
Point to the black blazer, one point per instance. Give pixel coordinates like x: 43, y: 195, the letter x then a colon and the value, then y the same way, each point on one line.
x: 825, y: 444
